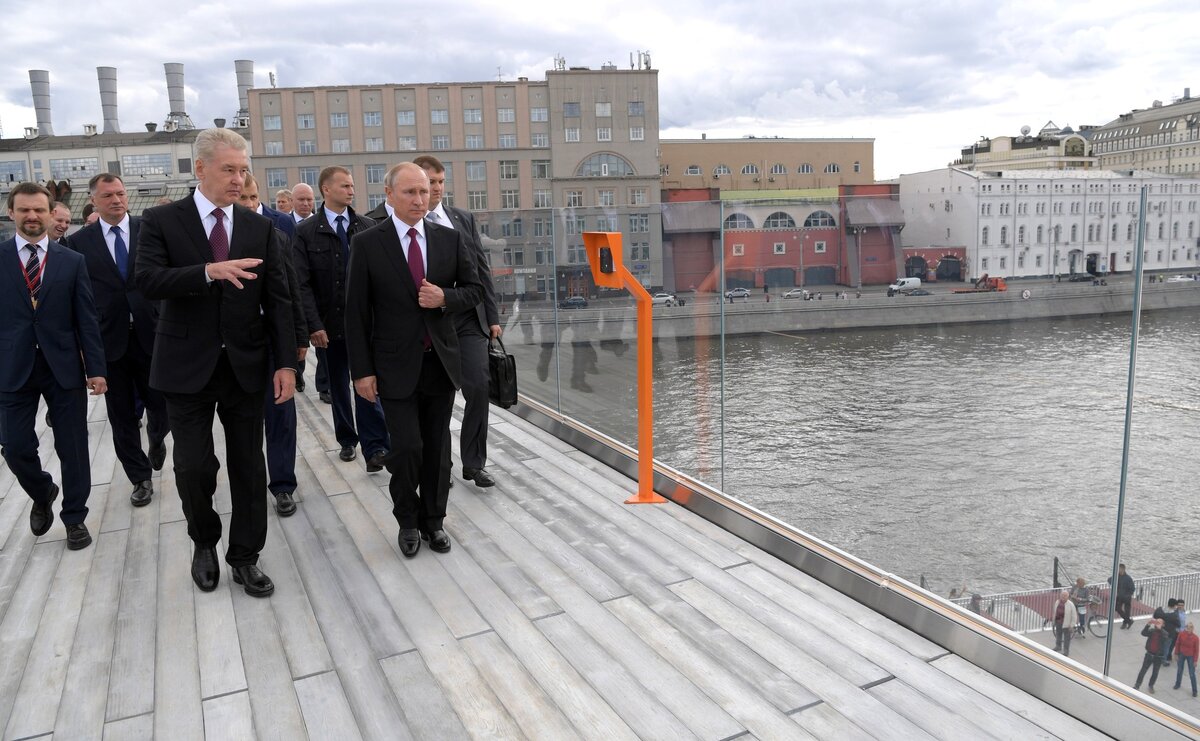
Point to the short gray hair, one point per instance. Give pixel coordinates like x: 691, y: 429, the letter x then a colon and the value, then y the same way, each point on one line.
x: 208, y: 140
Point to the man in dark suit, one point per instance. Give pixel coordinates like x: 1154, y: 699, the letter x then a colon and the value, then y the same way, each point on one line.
x: 474, y: 326
x: 222, y: 280
x: 127, y: 322
x: 322, y: 252
x: 50, y: 326
x: 407, y: 279
x: 62, y: 222
x: 302, y: 202
x: 280, y: 419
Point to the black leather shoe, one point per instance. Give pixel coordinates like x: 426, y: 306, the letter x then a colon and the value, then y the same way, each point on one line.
x: 285, y: 504
x: 480, y: 476
x: 41, y: 517
x: 253, y: 580
x: 348, y: 454
x: 325, y: 397
x: 143, y: 492
x: 48, y: 422
x: 157, y: 454
x: 439, y: 541
x: 78, y: 537
x: 410, y: 541
x: 375, y: 462
x: 299, y: 384
x: 205, y: 571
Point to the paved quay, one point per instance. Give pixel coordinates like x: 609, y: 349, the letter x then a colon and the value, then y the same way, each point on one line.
x: 560, y: 613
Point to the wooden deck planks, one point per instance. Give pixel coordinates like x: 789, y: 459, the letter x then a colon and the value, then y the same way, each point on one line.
x: 327, y: 713
x: 178, y: 713
x: 131, y: 681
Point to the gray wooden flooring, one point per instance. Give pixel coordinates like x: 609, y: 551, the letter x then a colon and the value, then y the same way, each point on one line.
x: 560, y: 613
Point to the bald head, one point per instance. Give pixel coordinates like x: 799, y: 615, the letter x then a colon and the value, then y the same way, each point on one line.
x: 303, y: 200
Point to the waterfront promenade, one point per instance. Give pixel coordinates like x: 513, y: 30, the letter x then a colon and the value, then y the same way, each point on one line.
x: 560, y: 613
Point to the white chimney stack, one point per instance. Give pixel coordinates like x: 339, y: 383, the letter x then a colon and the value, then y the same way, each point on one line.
x: 245, y: 80
x: 178, y: 117
x: 108, y: 98
x: 39, y: 81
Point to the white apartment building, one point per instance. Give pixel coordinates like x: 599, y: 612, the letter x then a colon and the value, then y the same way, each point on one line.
x: 1030, y: 223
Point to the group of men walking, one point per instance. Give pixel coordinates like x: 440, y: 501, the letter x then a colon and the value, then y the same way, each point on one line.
x: 205, y: 308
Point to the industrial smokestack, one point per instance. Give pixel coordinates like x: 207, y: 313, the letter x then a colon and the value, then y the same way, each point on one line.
x: 178, y: 117
x: 108, y: 98
x: 245, y: 80
x: 39, y: 81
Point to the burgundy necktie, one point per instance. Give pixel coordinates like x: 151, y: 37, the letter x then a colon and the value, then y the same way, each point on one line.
x: 218, y: 239
x: 416, y: 266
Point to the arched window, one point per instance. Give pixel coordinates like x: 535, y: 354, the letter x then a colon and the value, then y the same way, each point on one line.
x: 603, y: 165
x: 806, y: 169
x: 738, y: 221
x: 721, y: 170
x: 1114, y: 232
x: 858, y: 167
x: 1004, y: 235
x: 1160, y: 230
x: 779, y: 220
x: 1175, y: 230
x: 750, y: 169
x: 1191, y: 229
x: 1074, y: 232
x: 1039, y: 234
x: 1129, y: 233
x: 832, y: 167
x: 1057, y: 233
x: 819, y: 218
x: 984, y: 236
x: 693, y: 169
x: 778, y: 169
x: 1021, y: 234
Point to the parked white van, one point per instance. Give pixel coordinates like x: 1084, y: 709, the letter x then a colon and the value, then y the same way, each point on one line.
x: 904, y: 285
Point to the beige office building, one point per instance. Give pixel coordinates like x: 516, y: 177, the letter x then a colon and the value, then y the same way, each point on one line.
x: 538, y: 162
x: 1162, y: 138
x: 1052, y: 148
x: 766, y: 164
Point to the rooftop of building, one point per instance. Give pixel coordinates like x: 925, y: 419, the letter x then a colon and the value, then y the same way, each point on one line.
x: 771, y: 139
x: 80, y: 141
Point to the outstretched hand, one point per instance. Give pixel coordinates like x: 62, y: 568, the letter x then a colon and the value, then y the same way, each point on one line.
x: 234, y: 271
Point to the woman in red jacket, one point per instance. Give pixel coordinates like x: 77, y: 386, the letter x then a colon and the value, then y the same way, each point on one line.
x: 1187, y: 649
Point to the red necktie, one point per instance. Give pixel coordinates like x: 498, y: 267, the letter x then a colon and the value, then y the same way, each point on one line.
x: 416, y: 266
x: 218, y: 240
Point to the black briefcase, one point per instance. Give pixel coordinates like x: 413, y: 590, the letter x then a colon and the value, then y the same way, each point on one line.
x: 502, y: 375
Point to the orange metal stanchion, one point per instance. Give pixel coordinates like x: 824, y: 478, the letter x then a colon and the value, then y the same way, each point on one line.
x: 608, y: 270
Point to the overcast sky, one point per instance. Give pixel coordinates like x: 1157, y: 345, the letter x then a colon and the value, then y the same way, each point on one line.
x: 922, y: 79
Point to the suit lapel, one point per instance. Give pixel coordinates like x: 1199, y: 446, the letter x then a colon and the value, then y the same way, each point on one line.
x: 12, y: 274
x: 190, y: 218
x: 51, y: 272
x: 398, y: 255
x: 132, y: 246
x: 92, y: 239
x: 241, y: 227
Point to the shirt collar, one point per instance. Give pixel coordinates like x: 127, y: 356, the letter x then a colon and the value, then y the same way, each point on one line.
x: 205, y: 206
x: 43, y: 244
x: 331, y: 216
x: 402, y: 228
x: 123, y: 224
x: 260, y: 209
x: 443, y: 217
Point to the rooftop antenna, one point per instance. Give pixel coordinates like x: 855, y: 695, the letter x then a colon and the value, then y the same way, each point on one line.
x: 271, y: 77
x: 499, y: 74
x: 560, y: 62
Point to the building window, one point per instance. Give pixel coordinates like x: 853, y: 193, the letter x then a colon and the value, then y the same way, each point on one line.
x: 306, y: 121
x: 541, y: 228
x: 984, y: 236
x: 606, y: 197
x: 570, y: 110
x: 474, y: 141
x: 606, y: 223
x: 603, y: 166
x: 341, y: 145
x: 476, y: 170
x: 637, y: 196
x: 637, y: 108
x: 14, y: 172
x: 439, y: 116
x: 983, y: 263
x: 819, y: 218
x: 1002, y: 263
x: 832, y: 168
x: 309, y: 175
x: 639, y: 223
x: 510, y: 198
x: 603, y: 134
x: 637, y: 133
x: 778, y: 169
x: 272, y: 123
x: 574, y: 198
x: 372, y: 118
x: 539, y: 140
x: 1021, y: 234
x: 539, y: 114
x: 506, y: 115
x: 1075, y: 232
x: 375, y: 174
x: 508, y: 141
x: 858, y: 167
x: 739, y: 250
x: 738, y: 221
x: 720, y: 170
x: 779, y: 220
x: 574, y: 225
x: 406, y: 143
x: 472, y: 115
x: 477, y: 200
x: 510, y: 169
x: 277, y: 177
x: 374, y: 143
x: 541, y: 169
x: 440, y: 141
x: 339, y: 120
x: 806, y: 169
x: 514, y: 228
x: 603, y: 110
x: 780, y: 248
x: 74, y: 167
x: 693, y: 170
x: 750, y: 169
x: 1003, y: 236
x: 406, y: 118
x: 1039, y: 234
x: 1037, y: 261
x: 819, y: 247
x: 572, y: 133
x: 374, y: 200
x: 270, y: 148
x: 542, y: 198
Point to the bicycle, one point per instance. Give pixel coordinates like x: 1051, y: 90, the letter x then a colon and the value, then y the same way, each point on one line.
x: 1096, y: 618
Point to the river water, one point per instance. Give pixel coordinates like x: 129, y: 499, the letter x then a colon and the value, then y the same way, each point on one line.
x: 969, y: 454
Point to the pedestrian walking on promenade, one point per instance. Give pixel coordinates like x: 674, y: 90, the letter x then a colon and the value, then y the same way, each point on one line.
x: 1187, y: 650
x: 1125, y: 591
x: 1065, y: 620
x: 1156, y: 638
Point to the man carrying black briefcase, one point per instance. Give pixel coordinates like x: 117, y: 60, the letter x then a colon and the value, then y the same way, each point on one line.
x: 502, y: 375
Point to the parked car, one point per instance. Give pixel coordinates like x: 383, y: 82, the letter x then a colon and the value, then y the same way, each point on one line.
x: 799, y: 293
x: 1181, y: 279
x: 1081, y: 278
x: 917, y: 292
x: 664, y: 299
x: 733, y: 293
x: 573, y: 302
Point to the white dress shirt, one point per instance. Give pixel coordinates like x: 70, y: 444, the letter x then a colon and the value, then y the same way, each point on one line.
x: 439, y: 216
x: 402, y: 230
x: 111, y: 239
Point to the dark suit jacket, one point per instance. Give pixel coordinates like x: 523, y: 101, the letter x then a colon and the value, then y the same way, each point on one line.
x: 64, y: 326
x: 385, y: 326
x: 486, y: 313
x: 283, y: 222
x: 320, y: 261
x: 116, y: 298
x: 197, y: 318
